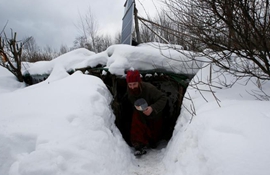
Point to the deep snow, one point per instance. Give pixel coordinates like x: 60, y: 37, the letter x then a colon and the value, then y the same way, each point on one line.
x: 65, y: 125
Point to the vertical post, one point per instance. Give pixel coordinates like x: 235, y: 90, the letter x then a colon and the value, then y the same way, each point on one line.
x: 137, y: 25
x: 210, y: 73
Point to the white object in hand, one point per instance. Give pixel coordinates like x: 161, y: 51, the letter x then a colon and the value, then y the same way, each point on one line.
x: 140, y: 104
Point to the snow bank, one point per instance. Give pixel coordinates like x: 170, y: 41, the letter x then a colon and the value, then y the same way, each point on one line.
x: 230, y: 139
x: 63, y: 125
x: 8, y: 81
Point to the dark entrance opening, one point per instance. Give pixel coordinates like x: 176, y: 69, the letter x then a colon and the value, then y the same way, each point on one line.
x: 173, y: 85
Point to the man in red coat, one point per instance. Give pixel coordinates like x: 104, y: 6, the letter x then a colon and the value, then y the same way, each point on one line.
x: 148, y: 103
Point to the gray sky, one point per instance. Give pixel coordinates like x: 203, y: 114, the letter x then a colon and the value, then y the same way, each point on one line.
x: 52, y: 22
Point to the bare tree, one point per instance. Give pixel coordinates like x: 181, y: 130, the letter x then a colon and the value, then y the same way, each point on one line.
x: 103, y: 42
x: 234, y: 35
x: 90, y: 39
x: 146, y: 34
x: 88, y: 28
x: 49, y: 53
x: 117, y: 38
x: 237, y: 32
x: 32, y: 52
x: 163, y: 30
x: 11, y: 51
x: 63, y: 49
x: 80, y: 42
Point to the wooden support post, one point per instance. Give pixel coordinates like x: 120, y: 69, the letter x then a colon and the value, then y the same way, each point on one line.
x: 137, y: 25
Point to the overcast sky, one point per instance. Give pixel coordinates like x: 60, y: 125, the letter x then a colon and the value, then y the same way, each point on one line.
x: 52, y: 22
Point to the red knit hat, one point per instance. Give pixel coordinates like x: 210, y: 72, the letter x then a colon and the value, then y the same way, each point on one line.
x: 133, y: 76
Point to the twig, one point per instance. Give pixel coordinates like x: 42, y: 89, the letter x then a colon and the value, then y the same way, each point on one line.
x: 4, y: 28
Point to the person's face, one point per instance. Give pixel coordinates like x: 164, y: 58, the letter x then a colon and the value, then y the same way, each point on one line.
x: 133, y: 85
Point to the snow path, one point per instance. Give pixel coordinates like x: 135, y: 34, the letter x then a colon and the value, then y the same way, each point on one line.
x: 151, y: 163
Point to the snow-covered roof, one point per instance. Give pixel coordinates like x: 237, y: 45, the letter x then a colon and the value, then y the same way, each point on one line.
x: 118, y: 58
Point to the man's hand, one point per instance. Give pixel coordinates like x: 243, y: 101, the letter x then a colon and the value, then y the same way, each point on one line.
x: 148, y: 110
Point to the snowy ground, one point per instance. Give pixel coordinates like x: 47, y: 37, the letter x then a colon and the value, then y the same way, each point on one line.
x: 65, y: 125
